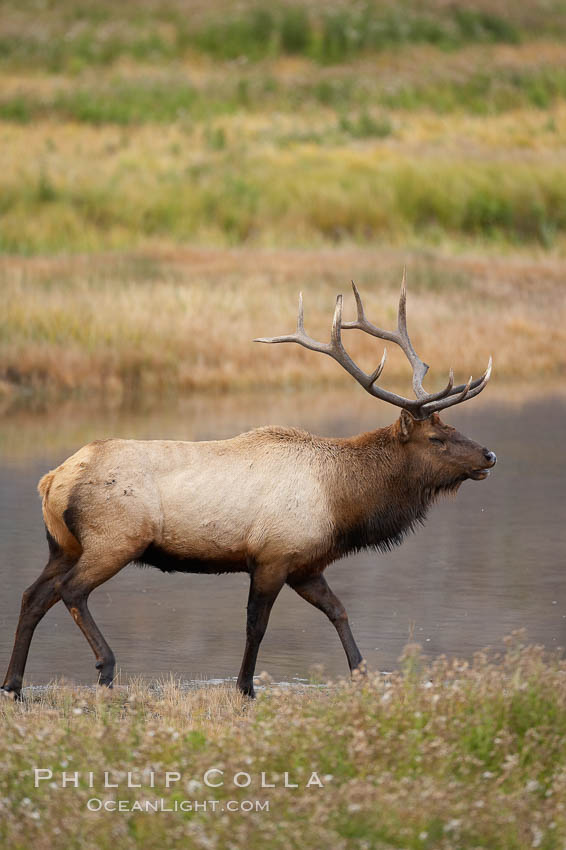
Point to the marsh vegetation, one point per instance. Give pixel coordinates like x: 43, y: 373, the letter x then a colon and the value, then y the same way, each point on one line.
x: 455, y: 754
x: 213, y: 160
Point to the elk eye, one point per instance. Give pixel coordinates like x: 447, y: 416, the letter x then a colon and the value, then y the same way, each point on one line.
x: 437, y: 441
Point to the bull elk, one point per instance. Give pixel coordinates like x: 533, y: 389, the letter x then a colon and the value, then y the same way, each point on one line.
x: 277, y: 503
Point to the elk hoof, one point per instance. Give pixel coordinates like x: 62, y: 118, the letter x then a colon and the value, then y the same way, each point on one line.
x: 105, y: 673
x: 10, y: 694
x: 361, y: 670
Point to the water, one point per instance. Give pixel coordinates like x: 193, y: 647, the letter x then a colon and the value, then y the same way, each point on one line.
x: 489, y: 561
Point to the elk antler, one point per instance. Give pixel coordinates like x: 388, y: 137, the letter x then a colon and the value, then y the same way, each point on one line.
x: 425, y: 403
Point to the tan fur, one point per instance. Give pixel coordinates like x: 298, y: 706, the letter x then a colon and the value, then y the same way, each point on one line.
x: 53, y: 518
x: 274, y: 496
x: 278, y: 503
x: 248, y: 497
x: 55, y: 489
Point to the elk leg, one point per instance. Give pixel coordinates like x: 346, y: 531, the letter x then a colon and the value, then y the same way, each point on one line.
x: 105, y: 660
x: 318, y: 593
x: 260, y: 601
x: 75, y: 590
x: 37, y: 599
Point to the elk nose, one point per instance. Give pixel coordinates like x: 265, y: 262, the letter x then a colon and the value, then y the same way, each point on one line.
x: 491, y: 457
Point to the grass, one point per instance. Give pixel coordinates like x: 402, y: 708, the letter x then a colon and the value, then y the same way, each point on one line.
x: 160, y: 324
x: 155, y: 98
x: 477, y: 79
x: 68, y: 37
x: 282, y: 124
x: 138, y: 134
x: 144, y: 190
x: 288, y: 157
x: 346, y: 30
x: 455, y: 754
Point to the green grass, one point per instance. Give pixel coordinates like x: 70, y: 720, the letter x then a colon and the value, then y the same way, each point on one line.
x: 232, y: 198
x: 281, y: 124
x: 451, y: 755
x: 484, y: 92
x: 71, y: 37
x: 174, y: 98
x: 130, y: 102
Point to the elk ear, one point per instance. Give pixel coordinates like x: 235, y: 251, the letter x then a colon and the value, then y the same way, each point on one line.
x: 406, y: 425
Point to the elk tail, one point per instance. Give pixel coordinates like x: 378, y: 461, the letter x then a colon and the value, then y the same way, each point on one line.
x: 53, y: 518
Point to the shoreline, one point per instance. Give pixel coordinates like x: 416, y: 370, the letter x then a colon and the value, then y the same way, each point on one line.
x: 448, y: 754
x: 129, y: 330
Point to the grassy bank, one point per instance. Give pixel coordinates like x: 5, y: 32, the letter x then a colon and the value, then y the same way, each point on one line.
x: 170, y: 169
x: 527, y: 76
x: 153, y: 325
x: 276, y: 197
x: 69, y: 36
x: 287, y: 124
x: 456, y: 755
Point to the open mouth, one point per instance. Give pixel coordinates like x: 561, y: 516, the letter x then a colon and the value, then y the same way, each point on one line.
x: 479, y: 474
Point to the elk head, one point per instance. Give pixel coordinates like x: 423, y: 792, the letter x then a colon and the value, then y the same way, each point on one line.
x: 448, y: 456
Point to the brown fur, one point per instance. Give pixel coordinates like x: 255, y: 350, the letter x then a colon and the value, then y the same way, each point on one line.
x: 278, y: 503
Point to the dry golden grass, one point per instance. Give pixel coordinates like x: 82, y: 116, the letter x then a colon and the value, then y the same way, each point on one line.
x: 152, y: 324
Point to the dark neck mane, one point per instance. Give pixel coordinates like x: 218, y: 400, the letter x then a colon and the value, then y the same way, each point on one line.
x: 380, y: 498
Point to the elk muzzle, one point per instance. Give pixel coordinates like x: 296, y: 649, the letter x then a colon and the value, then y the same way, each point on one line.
x: 483, y: 471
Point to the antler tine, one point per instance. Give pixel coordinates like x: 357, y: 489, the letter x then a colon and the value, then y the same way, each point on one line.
x: 425, y: 403
x: 420, y: 368
x: 300, y: 336
x: 375, y: 375
x: 475, y: 383
x: 336, y: 350
x: 301, y: 315
x: 359, y: 305
x: 362, y: 323
x: 400, y: 337
x: 335, y: 333
x: 402, y: 311
x: 470, y: 390
x: 448, y: 389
